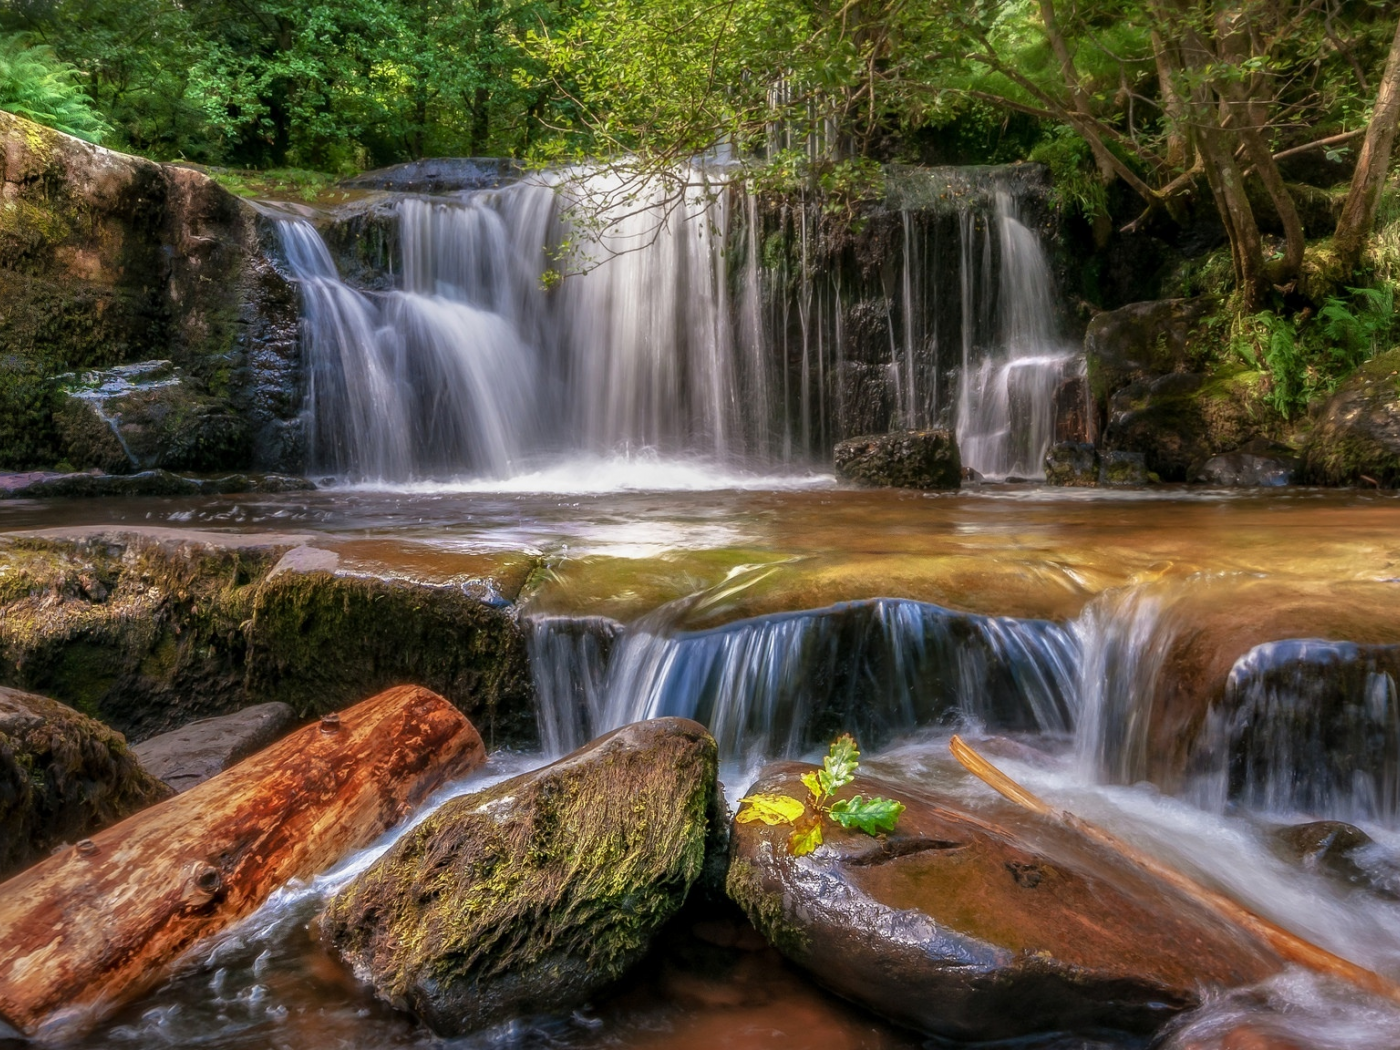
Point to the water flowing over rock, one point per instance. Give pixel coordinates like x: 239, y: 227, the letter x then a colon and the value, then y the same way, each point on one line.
x: 533, y: 894
x: 977, y: 929
x: 777, y: 685
x: 63, y: 776
x: 692, y: 318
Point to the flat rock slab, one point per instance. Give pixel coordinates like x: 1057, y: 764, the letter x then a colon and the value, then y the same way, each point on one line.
x: 192, y: 754
x: 973, y: 930
x: 533, y: 894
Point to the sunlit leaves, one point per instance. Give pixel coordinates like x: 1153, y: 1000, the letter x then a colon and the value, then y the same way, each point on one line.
x: 872, y: 816
x: 806, y: 836
x: 770, y: 809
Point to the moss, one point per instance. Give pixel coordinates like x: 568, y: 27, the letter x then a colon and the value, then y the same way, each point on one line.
x: 532, y: 893
x: 764, y: 909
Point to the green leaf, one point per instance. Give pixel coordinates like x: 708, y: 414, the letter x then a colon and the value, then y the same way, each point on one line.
x: 805, y: 837
x: 770, y: 809
x: 840, y: 763
x: 872, y: 816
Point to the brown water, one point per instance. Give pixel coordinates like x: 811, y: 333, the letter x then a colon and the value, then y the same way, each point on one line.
x: 1195, y: 578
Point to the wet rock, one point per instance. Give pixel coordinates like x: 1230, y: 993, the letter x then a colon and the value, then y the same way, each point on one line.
x: 912, y: 459
x: 864, y: 397
x: 62, y: 777
x: 1139, y: 342
x: 438, y: 175
x: 1118, y: 470
x: 1259, y: 464
x: 1357, y: 440
x: 1075, y: 418
x: 87, y: 484
x: 973, y: 930
x: 532, y: 895
x: 1074, y: 464
x: 1343, y: 851
x: 1180, y: 420
x: 135, y: 417
x: 193, y: 753
x: 108, y: 259
x: 150, y: 631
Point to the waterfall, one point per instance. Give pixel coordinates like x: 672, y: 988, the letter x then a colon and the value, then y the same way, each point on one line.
x: 777, y: 685
x: 1006, y: 418
x: 591, y: 313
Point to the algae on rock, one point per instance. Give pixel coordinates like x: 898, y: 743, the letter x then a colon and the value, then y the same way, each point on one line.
x: 533, y: 894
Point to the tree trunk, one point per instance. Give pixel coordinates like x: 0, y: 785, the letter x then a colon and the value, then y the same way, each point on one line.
x: 481, y: 121
x: 93, y: 927
x: 1359, y: 211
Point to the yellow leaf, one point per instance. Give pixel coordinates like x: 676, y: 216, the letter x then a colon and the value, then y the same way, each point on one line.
x: 814, y: 784
x: 805, y: 837
x: 771, y: 809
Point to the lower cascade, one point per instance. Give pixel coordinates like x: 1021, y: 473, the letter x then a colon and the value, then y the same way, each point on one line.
x: 573, y: 314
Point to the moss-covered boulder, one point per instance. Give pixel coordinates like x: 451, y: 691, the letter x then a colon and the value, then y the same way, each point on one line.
x: 1072, y: 463
x: 151, y: 630
x: 1357, y: 440
x: 1139, y: 342
x: 108, y: 259
x: 906, y: 459
x: 972, y: 927
x: 530, y: 896
x: 62, y: 777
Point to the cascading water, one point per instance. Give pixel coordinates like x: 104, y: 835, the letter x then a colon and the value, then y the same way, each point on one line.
x: 1006, y: 419
x: 690, y: 322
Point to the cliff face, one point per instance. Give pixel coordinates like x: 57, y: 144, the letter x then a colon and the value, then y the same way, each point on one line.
x: 108, y: 259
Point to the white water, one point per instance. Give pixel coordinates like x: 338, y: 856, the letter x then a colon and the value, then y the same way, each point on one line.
x: 667, y: 339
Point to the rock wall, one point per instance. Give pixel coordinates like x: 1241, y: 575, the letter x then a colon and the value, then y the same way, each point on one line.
x: 107, y: 259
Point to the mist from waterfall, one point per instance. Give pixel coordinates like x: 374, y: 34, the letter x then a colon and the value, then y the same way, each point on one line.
x: 579, y: 315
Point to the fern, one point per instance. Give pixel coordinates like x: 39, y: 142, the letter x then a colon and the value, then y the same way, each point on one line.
x: 36, y: 84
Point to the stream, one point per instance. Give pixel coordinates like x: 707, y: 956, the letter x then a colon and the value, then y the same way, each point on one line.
x: 1070, y: 632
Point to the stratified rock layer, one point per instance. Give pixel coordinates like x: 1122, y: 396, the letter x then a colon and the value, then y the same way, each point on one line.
x: 193, y: 753
x: 63, y: 776
x: 531, y: 895
x: 974, y: 930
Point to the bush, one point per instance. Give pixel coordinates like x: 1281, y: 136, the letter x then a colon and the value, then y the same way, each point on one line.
x: 36, y: 84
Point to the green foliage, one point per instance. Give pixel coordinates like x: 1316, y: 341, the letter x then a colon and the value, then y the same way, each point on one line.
x: 1077, y: 185
x: 873, y: 816
x: 36, y: 84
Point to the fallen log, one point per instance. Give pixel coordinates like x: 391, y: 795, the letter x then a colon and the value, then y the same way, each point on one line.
x: 93, y: 927
x: 1288, y: 944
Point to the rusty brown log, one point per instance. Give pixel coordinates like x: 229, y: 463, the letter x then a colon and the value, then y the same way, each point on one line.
x: 96, y: 925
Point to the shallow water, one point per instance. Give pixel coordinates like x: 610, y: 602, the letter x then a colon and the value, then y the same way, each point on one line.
x: 1149, y: 591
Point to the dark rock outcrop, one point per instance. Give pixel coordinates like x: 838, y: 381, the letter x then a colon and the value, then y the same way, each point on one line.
x: 151, y: 631
x: 972, y: 930
x: 1259, y: 464
x: 62, y: 777
x: 1071, y: 463
x: 1139, y: 342
x: 1357, y: 440
x: 107, y: 259
x: 1122, y: 470
x: 193, y: 753
x: 43, y: 484
x: 531, y: 895
x: 907, y: 459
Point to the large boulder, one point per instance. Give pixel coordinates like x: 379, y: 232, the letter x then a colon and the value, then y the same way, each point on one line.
x: 108, y: 259
x: 1357, y: 440
x: 530, y: 896
x: 906, y: 459
x: 969, y: 929
x: 62, y: 777
x: 1141, y: 341
x: 206, y: 747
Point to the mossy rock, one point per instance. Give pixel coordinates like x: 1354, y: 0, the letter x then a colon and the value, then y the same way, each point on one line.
x: 62, y: 777
x: 907, y: 459
x: 1357, y: 439
x: 1140, y: 341
x: 532, y: 895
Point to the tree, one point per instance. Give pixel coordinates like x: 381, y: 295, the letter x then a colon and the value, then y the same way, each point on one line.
x: 1359, y: 212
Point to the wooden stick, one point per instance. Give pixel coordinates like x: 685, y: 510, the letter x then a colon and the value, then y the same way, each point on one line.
x: 1288, y: 945
x: 93, y: 927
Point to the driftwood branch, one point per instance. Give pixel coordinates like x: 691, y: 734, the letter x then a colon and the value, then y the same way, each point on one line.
x: 93, y: 927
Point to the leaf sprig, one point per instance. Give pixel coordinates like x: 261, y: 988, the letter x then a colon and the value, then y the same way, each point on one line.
x: 872, y: 816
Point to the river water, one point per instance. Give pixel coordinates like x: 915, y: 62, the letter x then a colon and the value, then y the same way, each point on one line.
x: 1112, y: 636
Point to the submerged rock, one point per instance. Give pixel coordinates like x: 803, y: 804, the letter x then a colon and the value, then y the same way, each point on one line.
x: 1357, y: 441
x: 972, y: 930
x: 531, y: 895
x: 63, y: 776
x: 1343, y: 851
x: 193, y: 753
x: 1072, y: 463
x: 909, y: 459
